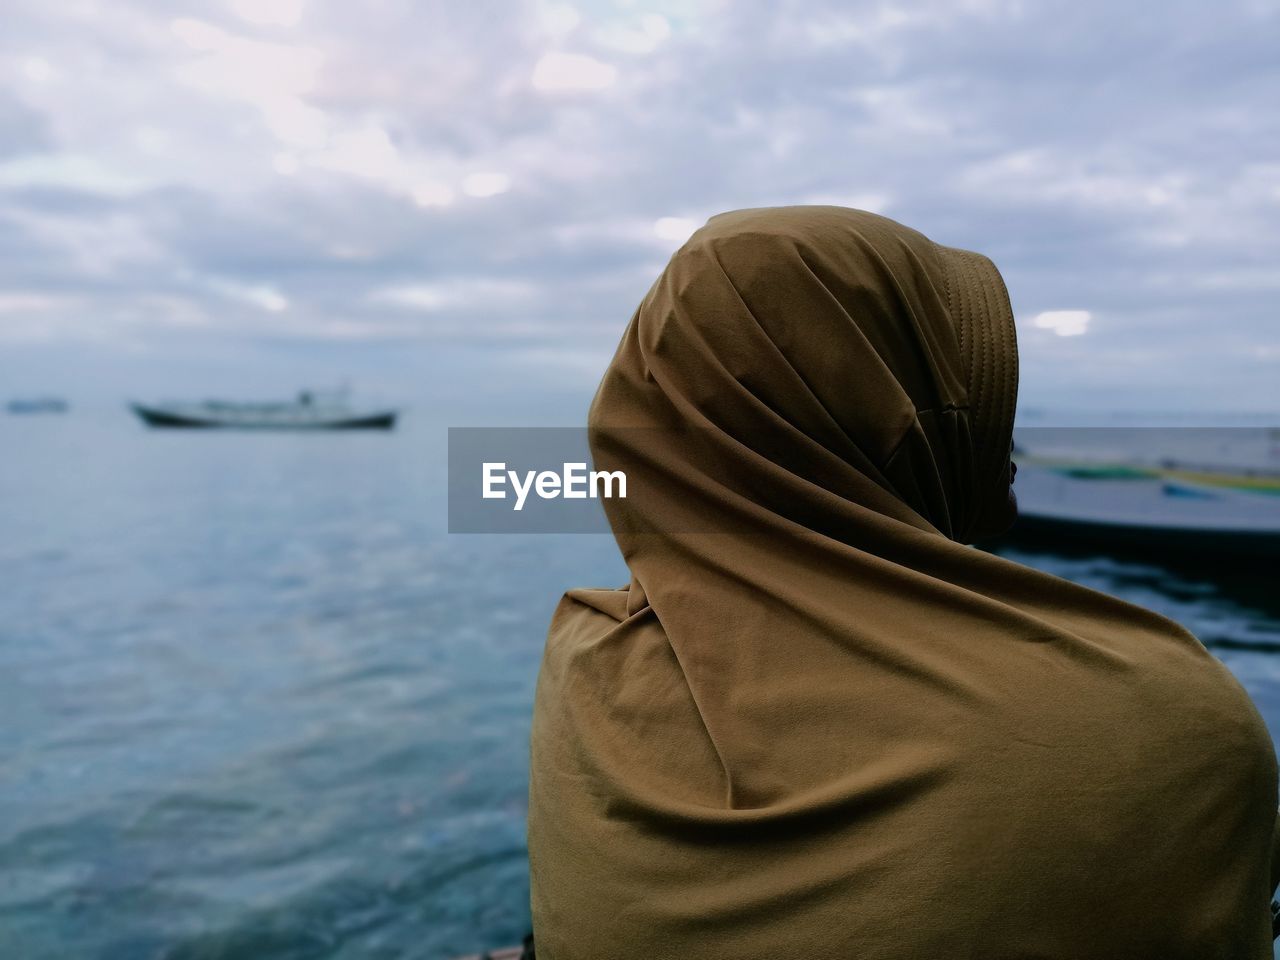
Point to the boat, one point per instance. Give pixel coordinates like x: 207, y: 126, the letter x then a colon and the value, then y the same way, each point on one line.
x: 309, y: 411
x: 1183, y: 505
x: 32, y: 405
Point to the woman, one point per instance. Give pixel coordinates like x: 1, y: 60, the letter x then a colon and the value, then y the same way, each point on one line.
x: 816, y: 724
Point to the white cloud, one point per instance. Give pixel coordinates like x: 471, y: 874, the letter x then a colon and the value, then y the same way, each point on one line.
x: 466, y: 293
x: 362, y: 152
x: 485, y: 184
x: 1065, y: 323
x: 37, y: 69
x: 675, y: 229
x: 558, y: 19
x: 284, y: 13
x: 263, y: 297
x: 563, y: 72
x: 428, y: 194
x: 273, y: 77
x: 368, y: 153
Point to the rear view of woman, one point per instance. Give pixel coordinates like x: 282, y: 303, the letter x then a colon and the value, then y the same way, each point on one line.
x: 816, y: 723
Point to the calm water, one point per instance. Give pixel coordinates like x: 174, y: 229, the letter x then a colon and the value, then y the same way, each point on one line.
x: 257, y: 704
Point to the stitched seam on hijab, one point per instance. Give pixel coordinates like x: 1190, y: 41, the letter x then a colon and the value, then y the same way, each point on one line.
x: 1008, y: 350
x: 996, y: 342
x: 951, y: 307
x: 972, y: 363
x: 958, y: 324
x: 979, y: 362
x: 983, y: 425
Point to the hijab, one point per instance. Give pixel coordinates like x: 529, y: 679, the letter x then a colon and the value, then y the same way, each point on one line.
x: 816, y: 722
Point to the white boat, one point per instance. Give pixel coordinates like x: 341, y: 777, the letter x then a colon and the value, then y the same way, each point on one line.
x: 309, y: 411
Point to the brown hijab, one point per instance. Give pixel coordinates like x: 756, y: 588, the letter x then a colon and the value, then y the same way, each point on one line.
x: 816, y: 724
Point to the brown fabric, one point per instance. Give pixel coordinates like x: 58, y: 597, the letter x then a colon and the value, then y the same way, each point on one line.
x: 816, y: 724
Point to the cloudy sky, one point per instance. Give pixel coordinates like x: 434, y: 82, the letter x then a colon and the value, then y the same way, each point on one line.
x: 439, y: 199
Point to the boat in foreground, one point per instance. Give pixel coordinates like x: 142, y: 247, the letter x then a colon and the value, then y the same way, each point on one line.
x: 1169, y: 508
x: 308, y: 412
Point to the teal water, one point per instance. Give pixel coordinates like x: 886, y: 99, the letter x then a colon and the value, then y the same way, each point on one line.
x: 258, y: 704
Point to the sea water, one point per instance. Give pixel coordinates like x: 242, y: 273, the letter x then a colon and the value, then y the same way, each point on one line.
x: 258, y: 704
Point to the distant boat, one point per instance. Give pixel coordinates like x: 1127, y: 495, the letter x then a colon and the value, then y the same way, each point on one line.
x: 1186, y: 508
x: 30, y: 405
x: 309, y: 411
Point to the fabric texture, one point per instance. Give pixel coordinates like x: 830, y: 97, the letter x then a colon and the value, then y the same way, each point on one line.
x: 816, y: 723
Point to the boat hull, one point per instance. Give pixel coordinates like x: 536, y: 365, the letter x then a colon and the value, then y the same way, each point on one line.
x: 176, y: 420
x: 1142, y: 540
x: 1143, y: 510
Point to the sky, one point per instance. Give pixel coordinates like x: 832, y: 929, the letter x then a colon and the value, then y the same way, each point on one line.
x: 440, y: 202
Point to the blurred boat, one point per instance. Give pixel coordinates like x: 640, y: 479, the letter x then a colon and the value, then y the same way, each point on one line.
x: 1168, y: 505
x: 309, y: 411
x: 32, y: 405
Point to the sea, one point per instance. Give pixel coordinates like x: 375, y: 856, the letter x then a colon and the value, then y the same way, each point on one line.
x: 259, y: 704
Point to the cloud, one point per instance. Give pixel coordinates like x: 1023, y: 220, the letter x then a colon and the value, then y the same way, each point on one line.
x: 463, y: 294
x: 273, y: 77
x: 675, y: 229
x: 266, y: 298
x: 515, y: 175
x: 485, y: 184
x: 1065, y: 323
x: 285, y: 13
x: 558, y: 72
x: 18, y: 302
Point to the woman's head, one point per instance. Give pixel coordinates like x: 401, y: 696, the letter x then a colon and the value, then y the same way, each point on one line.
x: 816, y: 364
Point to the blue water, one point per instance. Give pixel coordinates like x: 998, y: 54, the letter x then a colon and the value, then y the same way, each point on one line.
x: 258, y: 704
